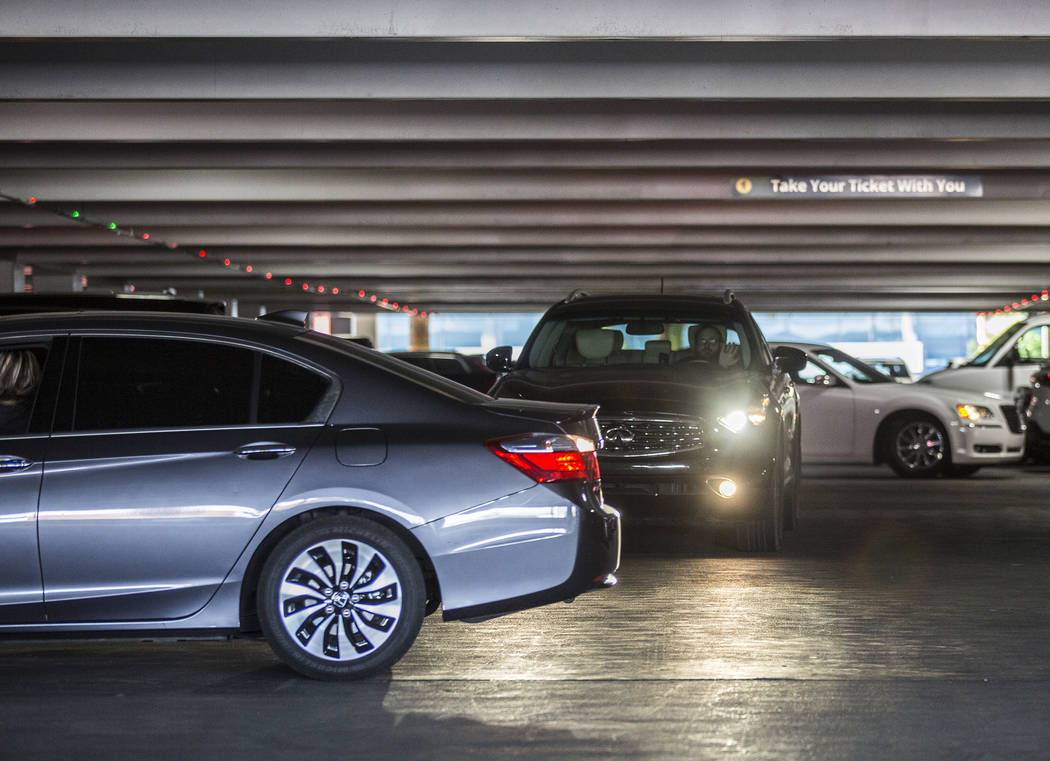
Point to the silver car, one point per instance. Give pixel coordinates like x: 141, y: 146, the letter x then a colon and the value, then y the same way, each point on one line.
x: 200, y: 475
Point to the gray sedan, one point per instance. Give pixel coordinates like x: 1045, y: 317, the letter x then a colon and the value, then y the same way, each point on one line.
x: 195, y: 475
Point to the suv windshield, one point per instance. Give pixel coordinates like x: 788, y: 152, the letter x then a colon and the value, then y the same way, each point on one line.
x: 715, y: 342
x: 984, y: 356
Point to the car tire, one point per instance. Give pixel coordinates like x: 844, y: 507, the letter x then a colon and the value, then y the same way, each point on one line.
x: 766, y: 534
x: 917, y: 447
x: 792, y: 492
x: 341, y: 598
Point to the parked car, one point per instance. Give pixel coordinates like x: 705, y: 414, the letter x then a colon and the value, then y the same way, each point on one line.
x: 470, y: 371
x: 853, y: 413
x: 692, y: 403
x: 1004, y: 366
x: 189, y: 475
x: 895, y: 367
x: 1034, y: 406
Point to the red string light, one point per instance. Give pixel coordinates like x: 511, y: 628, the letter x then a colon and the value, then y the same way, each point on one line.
x: 249, y: 269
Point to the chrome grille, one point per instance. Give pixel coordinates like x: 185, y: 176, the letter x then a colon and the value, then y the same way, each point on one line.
x: 648, y: 437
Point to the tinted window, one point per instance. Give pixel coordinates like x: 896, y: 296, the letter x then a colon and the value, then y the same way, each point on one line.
x: 161, y: 383
x: 288, y: 393
x: 21, y: 372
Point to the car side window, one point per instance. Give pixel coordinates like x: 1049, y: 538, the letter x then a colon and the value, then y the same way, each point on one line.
x: 1034, y: 344
x: 127, y: 383
x: 21, y: 373
x: 814, y: 375
x: 288, y: 393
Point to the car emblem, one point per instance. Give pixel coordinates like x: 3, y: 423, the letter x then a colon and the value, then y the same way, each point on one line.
x: 619, y: 435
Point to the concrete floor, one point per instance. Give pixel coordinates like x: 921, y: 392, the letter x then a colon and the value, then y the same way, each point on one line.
x: 904, y: 620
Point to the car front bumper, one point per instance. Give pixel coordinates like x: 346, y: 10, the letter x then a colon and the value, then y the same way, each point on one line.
x: 985, y: 445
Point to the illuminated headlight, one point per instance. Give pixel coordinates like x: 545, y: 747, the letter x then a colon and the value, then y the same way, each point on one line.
x: 737, y: 420
x: 973, y: 412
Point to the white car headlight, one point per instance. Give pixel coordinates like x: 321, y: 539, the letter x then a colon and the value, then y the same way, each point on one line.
x: 973, y: 413
x: 737, y: 420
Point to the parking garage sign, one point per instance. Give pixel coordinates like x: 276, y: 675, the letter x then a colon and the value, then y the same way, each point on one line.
x: 858, y: 186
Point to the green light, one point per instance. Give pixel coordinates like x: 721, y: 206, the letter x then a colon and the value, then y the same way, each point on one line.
x: 112, y: 225
x: 75, y: 214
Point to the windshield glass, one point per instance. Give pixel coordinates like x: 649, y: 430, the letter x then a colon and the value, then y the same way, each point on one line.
x: 984, y: 356
x: 714, y: 342
x: 851, y: 368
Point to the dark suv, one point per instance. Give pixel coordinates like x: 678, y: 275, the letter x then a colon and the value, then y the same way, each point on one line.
x: 693, y: 403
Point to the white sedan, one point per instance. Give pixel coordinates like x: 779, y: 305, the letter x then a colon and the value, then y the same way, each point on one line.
x: 853, y: 413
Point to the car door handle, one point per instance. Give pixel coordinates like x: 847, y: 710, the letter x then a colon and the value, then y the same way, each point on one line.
x: 264, y: 450
x: 9, y: 464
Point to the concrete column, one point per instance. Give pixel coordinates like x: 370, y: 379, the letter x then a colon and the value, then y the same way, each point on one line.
x: 418, y: 333
x: 12, y: 275
x: 47, y: 281
x: 248, y: 309
x: 365, y: 326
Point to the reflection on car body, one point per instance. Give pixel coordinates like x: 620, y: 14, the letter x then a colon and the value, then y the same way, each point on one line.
x: 853, y: 413
x: 196, y: 474
x: 692, y: 403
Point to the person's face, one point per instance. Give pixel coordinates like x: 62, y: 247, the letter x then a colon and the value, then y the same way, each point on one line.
x: 708, y: 342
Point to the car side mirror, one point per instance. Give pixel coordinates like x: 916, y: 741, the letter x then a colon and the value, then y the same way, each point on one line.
x: 788, y: 359
x: 499, y: 360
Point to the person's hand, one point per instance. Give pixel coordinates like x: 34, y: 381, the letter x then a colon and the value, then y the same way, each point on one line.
x: 730, y: 355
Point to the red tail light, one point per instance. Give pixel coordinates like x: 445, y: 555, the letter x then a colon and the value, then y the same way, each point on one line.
x: 549, y: 457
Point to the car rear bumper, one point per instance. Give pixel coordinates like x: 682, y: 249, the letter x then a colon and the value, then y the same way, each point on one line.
x: 597, y: 558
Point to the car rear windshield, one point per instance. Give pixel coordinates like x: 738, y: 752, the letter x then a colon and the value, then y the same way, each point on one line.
x: 715, y: 342
x: 418, y: 375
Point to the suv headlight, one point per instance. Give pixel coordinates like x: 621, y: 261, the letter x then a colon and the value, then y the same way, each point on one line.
x: 974, y: 413
x: 737, y: 420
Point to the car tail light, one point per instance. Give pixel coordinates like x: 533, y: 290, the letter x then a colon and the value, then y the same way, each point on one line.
x: 549, y: 457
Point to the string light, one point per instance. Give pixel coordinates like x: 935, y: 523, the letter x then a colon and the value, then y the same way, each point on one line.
x: 113, y: 226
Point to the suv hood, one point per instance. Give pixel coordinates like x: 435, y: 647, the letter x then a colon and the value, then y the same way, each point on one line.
x: 616, y: 391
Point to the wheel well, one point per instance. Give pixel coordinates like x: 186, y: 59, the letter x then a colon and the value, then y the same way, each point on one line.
x: 882, y: 433
x: 250, y: 582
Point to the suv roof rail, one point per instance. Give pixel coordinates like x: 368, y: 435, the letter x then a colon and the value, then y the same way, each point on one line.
x: 579, y: 293
x: 287, y: 316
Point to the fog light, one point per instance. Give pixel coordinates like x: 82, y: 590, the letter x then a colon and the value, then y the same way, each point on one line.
x: 727, y: 488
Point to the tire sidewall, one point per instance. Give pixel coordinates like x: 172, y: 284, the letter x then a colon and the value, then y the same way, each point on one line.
x: 412, y: 592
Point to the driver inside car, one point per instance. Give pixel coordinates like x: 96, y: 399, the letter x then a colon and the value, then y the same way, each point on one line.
x: 709, y: 345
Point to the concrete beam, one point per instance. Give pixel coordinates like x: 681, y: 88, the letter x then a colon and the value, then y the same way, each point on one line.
x: 538, y: 223
x: 236, y: 70
x: 727, y: 154
x: 509, y: 19
x: 298, y: 121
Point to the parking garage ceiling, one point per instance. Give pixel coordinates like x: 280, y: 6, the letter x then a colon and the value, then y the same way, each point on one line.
x: 453, y: 156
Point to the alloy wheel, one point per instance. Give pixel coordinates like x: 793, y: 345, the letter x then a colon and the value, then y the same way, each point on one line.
x: 920, y: 446
x: 340, y: 599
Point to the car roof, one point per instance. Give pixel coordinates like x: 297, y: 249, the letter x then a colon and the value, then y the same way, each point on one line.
x: 584, y: 305
x: 25, y: 303
x: 804, y: 345
x: 218, y: 325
